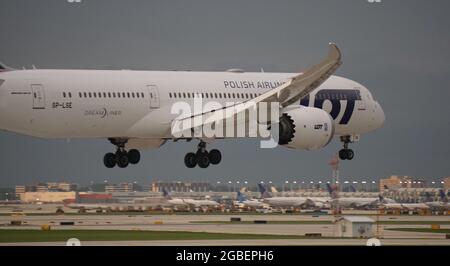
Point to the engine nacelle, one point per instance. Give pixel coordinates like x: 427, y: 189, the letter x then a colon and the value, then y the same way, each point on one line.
x: 306, y: 128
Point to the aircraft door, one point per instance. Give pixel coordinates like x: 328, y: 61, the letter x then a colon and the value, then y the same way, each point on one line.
x: 154, y: 96
x: 38, y: 96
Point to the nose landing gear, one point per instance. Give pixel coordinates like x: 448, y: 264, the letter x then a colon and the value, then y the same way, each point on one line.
x: 122, y: 158
x: 346, y: 153
x: 202, y: 157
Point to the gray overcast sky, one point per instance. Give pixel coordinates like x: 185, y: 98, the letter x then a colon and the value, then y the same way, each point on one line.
x: 398, y: 49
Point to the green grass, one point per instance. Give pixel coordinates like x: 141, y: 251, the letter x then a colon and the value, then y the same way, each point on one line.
x: 268, y: 222
x: 421, y: 230
x: 9, y: 236
x: 324, y: 222
x: 415, y: 222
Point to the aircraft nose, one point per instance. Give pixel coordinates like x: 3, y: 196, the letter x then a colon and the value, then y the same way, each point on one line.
x: 380, y: 117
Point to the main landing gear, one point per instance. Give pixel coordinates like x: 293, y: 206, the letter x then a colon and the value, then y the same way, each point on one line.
x: 121, y: 158
x: 346, y: 153
x: 202, y: 157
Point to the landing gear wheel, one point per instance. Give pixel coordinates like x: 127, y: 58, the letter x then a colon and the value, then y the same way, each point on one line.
x: 203, y: 159
x: 342, y: 154
x: 346, y: 154
x: 215, y: 156
x: 190, y: 160
x: 350, y: 154
x: 110, y: 160
x: 134, y: 156
x: 122, y: 160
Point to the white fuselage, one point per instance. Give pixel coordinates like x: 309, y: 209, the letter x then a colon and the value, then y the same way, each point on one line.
x: 137, y: 104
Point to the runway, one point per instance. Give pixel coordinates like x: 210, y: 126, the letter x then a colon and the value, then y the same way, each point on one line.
x: 253, y: 242
x: 298, y: 225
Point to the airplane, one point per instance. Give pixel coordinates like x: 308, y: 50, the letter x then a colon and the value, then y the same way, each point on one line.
x: 358, y: 202
x: 442, y: 204
x: 282, y: 202
x: 249, y: 203
x: 134, y: 109
x: 190, y: 203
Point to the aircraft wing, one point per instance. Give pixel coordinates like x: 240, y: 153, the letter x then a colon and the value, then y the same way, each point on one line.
x: 296, y: 88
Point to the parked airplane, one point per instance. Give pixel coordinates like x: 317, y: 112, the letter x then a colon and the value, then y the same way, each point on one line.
x: 357, y: 202
x: 243, y: 202
x: 190, y: 203
x: 442, y: 204
x: 282, y: 202
x: 133, y: 109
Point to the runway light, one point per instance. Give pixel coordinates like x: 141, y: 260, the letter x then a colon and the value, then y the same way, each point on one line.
x: 346, y: 182
x: 312, y: 182
x: 373, y: 182
x: 287, y: 182
x: 320, y: 182
x: 432, y: 182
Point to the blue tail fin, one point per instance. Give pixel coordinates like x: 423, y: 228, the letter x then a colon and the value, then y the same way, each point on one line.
x: 441, y: 194
x: 329, y: 188
x: 332, y: 191
x: 264, y: 192
x: 166, y: 194
x: 241, y: 197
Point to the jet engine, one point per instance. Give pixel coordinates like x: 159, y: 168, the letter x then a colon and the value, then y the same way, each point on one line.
x: 306, y: 128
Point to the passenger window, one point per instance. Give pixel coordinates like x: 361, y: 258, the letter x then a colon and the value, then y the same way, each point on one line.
x: 142, y: 94
x: 124, y: 95
x: 184, y: 95
x: 80, y: 95
x: 90, y: 94
x: 109, y: 94
x: 170, y: 95
x: 64, y: 94
x: 85, y: 94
